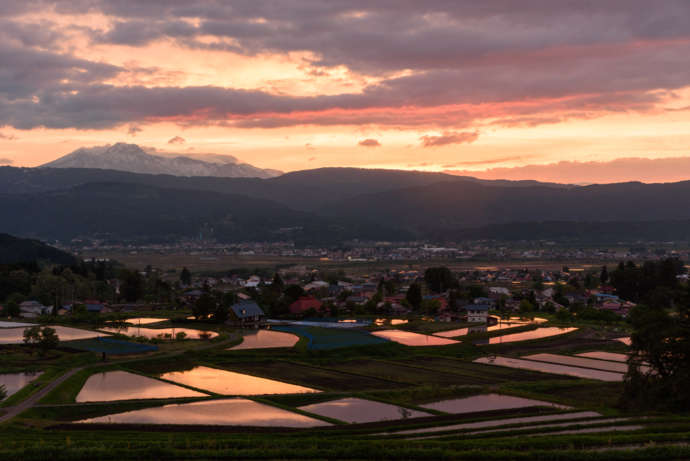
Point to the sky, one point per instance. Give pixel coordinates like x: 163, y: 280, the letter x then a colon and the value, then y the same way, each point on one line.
x: 586, y: 91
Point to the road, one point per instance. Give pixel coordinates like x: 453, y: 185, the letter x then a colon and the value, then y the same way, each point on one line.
x: 11, y: 412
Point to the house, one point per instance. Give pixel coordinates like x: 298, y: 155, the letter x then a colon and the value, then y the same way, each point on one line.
x: 304, y: 303
x: 96, y: 306
x: 499, y: 291
x: 246, y: 313
x: 477, y: 313
x: 252, y: 282
x: 484, y: 300
x: 315, y: 285
x: 32, y: 309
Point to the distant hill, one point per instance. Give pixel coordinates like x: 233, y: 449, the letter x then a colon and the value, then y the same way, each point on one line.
x: 308, y: 190
x: 148, y: 213
x: 134, y: 159
x: 333, y: 204
x: 18, y: 250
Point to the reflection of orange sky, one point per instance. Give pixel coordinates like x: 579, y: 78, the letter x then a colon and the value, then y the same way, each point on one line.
x: 330, y: 137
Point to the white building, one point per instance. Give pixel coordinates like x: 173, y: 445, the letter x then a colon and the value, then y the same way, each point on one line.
x: 477, y: 313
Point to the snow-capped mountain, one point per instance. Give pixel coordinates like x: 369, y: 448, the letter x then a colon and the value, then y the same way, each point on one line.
x: 134, y: 159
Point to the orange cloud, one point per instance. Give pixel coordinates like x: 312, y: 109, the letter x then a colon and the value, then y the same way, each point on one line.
x: 369, y: 143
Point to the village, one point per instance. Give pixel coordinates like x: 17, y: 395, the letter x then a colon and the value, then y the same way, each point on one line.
x: 438, y: 293
x: 424, y: 353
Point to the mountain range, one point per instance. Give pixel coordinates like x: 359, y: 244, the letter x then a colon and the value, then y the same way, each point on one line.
x: 134, y: 159
x: 331, y: 205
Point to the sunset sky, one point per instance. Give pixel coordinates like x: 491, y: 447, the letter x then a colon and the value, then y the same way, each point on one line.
x: 489, y: 88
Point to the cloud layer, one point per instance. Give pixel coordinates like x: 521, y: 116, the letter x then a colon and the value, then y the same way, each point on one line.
x: 460, y: 63
x: 619, y: 170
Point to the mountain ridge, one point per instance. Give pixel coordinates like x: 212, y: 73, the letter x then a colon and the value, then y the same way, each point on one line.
x: 134, y: 159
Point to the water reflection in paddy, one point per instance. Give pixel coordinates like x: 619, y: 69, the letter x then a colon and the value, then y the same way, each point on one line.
x: 231, y: 383
x: 121, y: 385
x: 145, y: 320
x: 486, y: 402
x: 16, y: 335
x: 15, y: 381
x: 612, y: 356
x: 264, y: 339
x: 163, y: 333
x: 227, y: 412
x: 513, y: 322
x: 381, y: 322
x: 354, y: 410
x: 552, y: 368
x: 581, y: 362
x: 527, y: 335
x: 408, y: 338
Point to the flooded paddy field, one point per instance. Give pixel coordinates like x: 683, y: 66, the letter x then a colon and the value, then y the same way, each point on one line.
x: 408, y: 338
x: 611, y: 356
x: 539, y: 333
x: 228, y: 412
x: 553, y: 368
x: 226, y: 382
x: 354, y: 410
x: 581, y: 362
x: 122, y: 385
x: 16, y: 335
x: 475, y: 373
x: 13, y: 382
x: 487, y: 402
x: 266, y: 339
x: 326, y: 378
x: 161, y: 333
x: 338, y: 400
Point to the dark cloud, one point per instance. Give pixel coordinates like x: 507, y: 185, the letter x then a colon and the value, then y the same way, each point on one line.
x: 369, y: 143
x: 7, y: 137
x: 6, y: 161
x: 517, y: 65
x: 133, y: 130
x: 176, y: 140
x: 449, y: 137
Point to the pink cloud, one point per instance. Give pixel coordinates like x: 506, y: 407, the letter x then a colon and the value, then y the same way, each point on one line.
x: 450, y: 137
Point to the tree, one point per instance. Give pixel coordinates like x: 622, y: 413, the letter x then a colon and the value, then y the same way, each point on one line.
x: 414, y: 296
x: 278, y: 283
x: 12, y: 309
x: 204, y: 306
x: 293, y: 292
x: 440, y: 279
x: 45, y: 338
x: 132, y: 288
x: 221, y: 313
x: 661, y: 338
x: 526, y: 306
x: 604, y: 277
x: 185, y: 277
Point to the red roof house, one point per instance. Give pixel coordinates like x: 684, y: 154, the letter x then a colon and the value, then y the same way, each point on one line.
x: 304, y: 303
